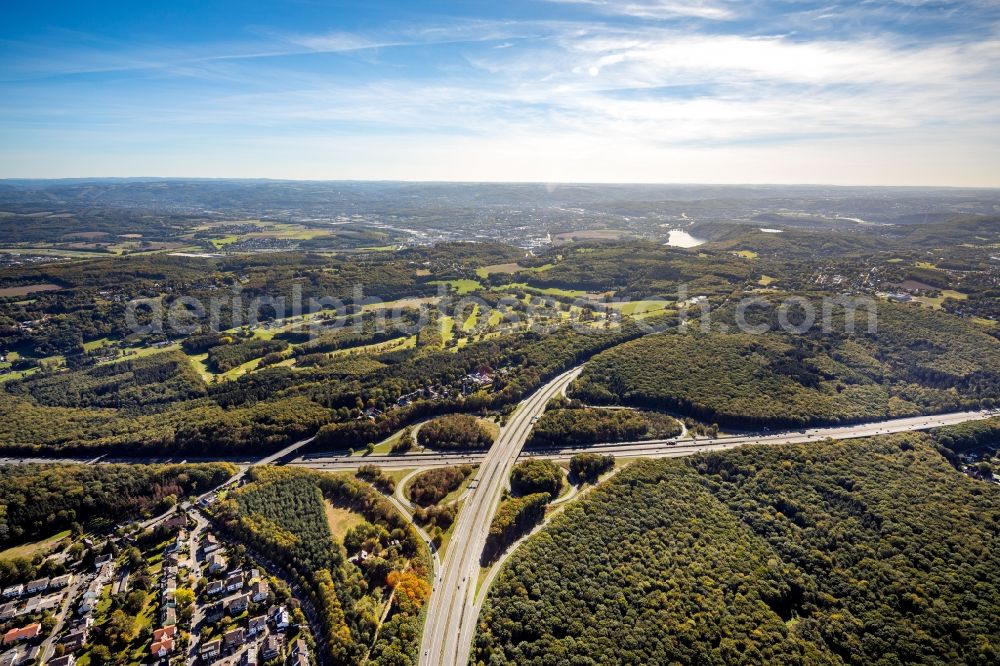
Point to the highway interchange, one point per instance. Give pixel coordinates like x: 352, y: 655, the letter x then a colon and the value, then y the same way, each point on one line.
x: 451, y: 620
x: 452, y: 608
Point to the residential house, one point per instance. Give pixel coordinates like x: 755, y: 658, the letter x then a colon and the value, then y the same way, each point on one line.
x: 164, y: 632
x: 65, y: 660
x: 259, y: 591
x: 271, y: 648
x: 210, y: 545
x: 210, y: 650
x: 280, y: 617
x: 106, y: 572
x: 161, y: 649
x: 234, y: 638
x: 257, y: 625
x: 215, y: 612
x: 90, y: 597
x: 50, y: 602
x: 237, y: 605
x: 298, y: 659
x: 74, y: 641
x: 83, y: 624
x: 8, y: 611
x: 60, y: 582
x: 13, y: 591
x: 37, y: 586
x: 216, y: 587
x: 216, y: 563
x: 23, y: 634
x: 30, y: 658
x: 102, y: 560
x: 234, y: 583
x: 300, y: 647
x: 10, y: 657
x: 175, y: 522
x: 249, y: 658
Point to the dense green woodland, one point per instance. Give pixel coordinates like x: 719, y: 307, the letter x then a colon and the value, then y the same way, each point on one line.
x: 92, y: 302
x: 455, y: 431
x: 132, y: 384
x: 864, y: 552
x: 433, y: 485
x: 535, y: 358
x: 159, y: 404
x: 148, y: 402
x: 918, y: 361
x: 589, y: 467
x: 969, y: 435
x: 536, y: 476
x: 568, y: 427
x: 280, y: 514
x: 514, y: 518
x: 37, y: 501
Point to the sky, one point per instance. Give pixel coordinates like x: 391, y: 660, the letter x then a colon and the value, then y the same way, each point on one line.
x: 870, y: 92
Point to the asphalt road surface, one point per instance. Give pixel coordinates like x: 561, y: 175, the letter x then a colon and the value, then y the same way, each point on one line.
x: 663, y: 448
x: 451, y: 617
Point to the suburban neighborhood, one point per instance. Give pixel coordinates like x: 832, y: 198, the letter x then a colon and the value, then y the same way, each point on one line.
x: 168, y: 592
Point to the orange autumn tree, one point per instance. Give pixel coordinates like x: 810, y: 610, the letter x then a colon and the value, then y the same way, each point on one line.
x: 408, y: 583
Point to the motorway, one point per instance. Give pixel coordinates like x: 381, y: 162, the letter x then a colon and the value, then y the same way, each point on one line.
x: 452, y: 610
x: 233, y: 480
x: 662, y: 448
x: 451, y: 616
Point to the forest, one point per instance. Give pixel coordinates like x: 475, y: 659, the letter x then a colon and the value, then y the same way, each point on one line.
x: 567, y: 426
x: 130, y: 413
x: 41, y: 500
x: 536, y: 476
x: 865, y: 552
x: 961, y: 438
x: 134, y: 383
x: 918, y: 362
x: 514, y: 518
x: 588, y: 467
x: 527, y: 359
x: 638, y: 269
x: 432, y: 486
x: 95, y: 387
x: 225, y: 357
x: 455, y: 431
x: 280, y: 514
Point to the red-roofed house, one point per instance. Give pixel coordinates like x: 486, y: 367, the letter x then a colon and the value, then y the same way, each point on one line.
x: 162, y: 648
x: 22, y: 634
x: 164, y: 633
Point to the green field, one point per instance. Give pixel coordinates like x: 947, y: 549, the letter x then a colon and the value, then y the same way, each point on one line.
x: 461, y: 287
x: 937, y: 301
x: 29, y: 550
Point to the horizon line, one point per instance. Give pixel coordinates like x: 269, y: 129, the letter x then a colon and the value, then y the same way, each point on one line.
x: 23, y: 179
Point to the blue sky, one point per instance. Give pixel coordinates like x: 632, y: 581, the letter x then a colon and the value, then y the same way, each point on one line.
x: 902, y: 92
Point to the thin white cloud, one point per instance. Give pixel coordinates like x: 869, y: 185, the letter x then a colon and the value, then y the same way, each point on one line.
x: 612, y: 99
x: 660, y: 9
